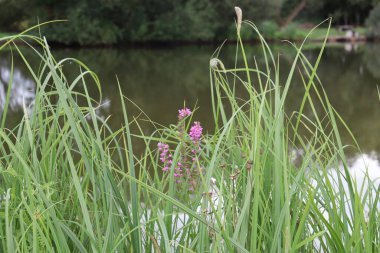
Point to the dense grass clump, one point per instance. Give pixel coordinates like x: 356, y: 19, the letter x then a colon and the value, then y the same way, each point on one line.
x: 70, y: 183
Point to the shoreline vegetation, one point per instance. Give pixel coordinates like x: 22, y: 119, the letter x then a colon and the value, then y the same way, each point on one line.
x: 70, y: 183
x: 318, y: 35
x: 111, y: 22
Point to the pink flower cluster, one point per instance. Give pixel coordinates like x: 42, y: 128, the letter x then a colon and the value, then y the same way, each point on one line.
x: 178, y: 170
x: 165, y: 156
x: 166, y: 159
x: 185, y: 168
x: 196, y: 132
x: 183, y: 113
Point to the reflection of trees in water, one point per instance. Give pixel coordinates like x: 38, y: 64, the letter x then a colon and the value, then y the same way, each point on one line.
x: 352, y: 87
x: 160, y: 80
x: 148, y: 70
x: 157, y: 80
x: 22, y: 92
x: 371, y: 58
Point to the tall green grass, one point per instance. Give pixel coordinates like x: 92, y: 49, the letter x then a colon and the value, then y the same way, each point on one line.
x: 70, y: 183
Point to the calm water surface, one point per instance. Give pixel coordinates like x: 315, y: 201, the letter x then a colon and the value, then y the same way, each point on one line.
x: 160, y: 80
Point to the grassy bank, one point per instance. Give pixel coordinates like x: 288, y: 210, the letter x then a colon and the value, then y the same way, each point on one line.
x: 297, y: 32
x: 319, y: 33
x: 70, y: 183
x: 271, y: 32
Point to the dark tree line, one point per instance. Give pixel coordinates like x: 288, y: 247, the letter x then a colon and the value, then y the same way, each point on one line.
x: 112, y: 21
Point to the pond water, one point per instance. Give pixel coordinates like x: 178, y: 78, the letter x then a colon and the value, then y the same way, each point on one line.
x: 159, y: 80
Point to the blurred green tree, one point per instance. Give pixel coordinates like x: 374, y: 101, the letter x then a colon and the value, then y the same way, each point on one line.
x: 113, y: 21
x: 11, y: 14
x: 373, y: 22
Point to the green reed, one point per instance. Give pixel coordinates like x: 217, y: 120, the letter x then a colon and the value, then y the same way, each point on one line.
x: 70, y: 183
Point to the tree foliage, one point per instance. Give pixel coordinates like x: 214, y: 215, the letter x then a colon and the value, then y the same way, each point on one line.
x: 373, y: 22
x: 112, y: 21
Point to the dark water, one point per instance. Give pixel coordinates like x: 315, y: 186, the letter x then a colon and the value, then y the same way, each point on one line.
x: 160, y: 80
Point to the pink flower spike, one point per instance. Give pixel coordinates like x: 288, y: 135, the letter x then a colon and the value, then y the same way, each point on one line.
x: 164, y: 155
x: 196, y: 132
x: 183, y: 113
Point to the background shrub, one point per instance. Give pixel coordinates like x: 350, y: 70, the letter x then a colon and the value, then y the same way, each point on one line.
x: 269, y: 29
x: 373, y: 22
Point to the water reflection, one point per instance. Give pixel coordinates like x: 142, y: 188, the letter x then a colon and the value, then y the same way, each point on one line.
x: 351, y: 47
x: 160, y: 80
x: 22, y: 91
x: 365, y: 165
x: 365, y: 173
x: 371, y: 58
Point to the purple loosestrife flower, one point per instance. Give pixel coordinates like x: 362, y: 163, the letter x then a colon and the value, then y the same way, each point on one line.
x: 165, y: 156
x: 183, y: 113
x: 182, y: 165
x: 196, y: 132
x: 178, y: 170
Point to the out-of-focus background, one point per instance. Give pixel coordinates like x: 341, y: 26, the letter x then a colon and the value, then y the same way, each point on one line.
x: 94, y: 22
